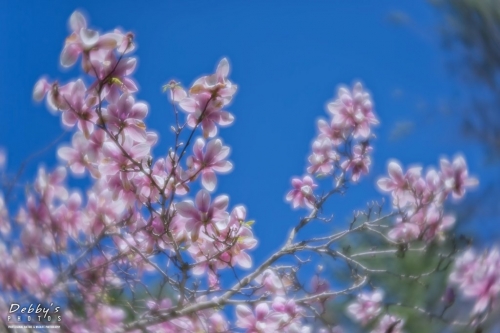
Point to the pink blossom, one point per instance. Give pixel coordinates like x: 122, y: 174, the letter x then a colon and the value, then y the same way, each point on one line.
x: 105, y: 318
x: 209, y: 162
x: 404, y: 232
x: 399, y: 183
x: 202, y: 212
x: 77, y: 156
x: 204, y: 110
x: 83, y: 40
x: 126, y: 117
x: 206, y: 98
x: 366, y: 307
x: 113, y: 74
x: 42, y: 87
x: 46, y: 277
x: 216, y: 84
x: 124, y: 157
x: 335, y: 132
x: 68, y: 217
x: 323, y: 156
x: 262, y: 321
x: 176, y: 92
x: 51, y: 185
x: 353, y: 110
x: 302, y: 194
x: 455, y: 176
x: 291, y: 315
x: 103, y: 209
x: 359, y: 163
x: 478, y: 278
x: 271, y: 283
x: 80, y: 107
x: 225, y: 243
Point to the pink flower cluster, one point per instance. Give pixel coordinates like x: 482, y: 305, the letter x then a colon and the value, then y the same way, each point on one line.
x: 341, y: 145
x: 368, y: 306
x: 216, y: 239
x: 137, y: 218
x: 282, y: 316
x: 421, y: 197
x: 477, y: 278
x: 206, y: 98
x: 135, y: 198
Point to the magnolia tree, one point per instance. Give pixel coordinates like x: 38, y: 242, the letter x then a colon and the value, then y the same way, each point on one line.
x: 140, y: 251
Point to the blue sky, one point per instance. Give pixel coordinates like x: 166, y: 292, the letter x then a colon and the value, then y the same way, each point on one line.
x: 288, y: 58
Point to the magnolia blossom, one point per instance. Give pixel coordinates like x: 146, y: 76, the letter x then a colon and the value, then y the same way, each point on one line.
x: 263, y: 320
x: 333, y: 131
x: 354, y: 110
x: 477, y: 277
x: 399, y: 184
x: 271, y: 283
x: 202, y: 213
x: 404, y: 232
x: 206, y: 98
x: 80, y: 107
x: 223, y: 244
x: 127, y: 118
x: 302, y: 194
x: 421, y: 198
x: 455, y: 176
x: 84, y: 40
x: 359, y: 163
x: 366, y: 307
x: 210, y: 161
x: 323, y: 156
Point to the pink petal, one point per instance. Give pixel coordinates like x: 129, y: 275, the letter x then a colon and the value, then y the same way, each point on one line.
x: 209, y: 180
x: 245, y: 316
x: 223, y: 166
x: 243, y: 259
x: 187, y: 209
x: 139, y: 110
x: 226, y: 118
x: 140, y: 150
x: 110, y: 40
x: 385, y: 184
x: 188, y: 105
x: 203, y: 200
x: 89, y: 38
x: 40, y: 89
x: 69, y: 54
x: 221, y: 202
x: 223, y: 68
x: 77, y: 21
x: 67, y: 153
x: 395, y: 171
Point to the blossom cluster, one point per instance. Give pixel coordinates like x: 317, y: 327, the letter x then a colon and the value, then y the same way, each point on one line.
x: 368, y: 306
x: 342, y: 144
x: 146, y: 216
x: 420, y: 198
x: 135, y: 200
x: 477, y: 277
x: 283, y: 316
